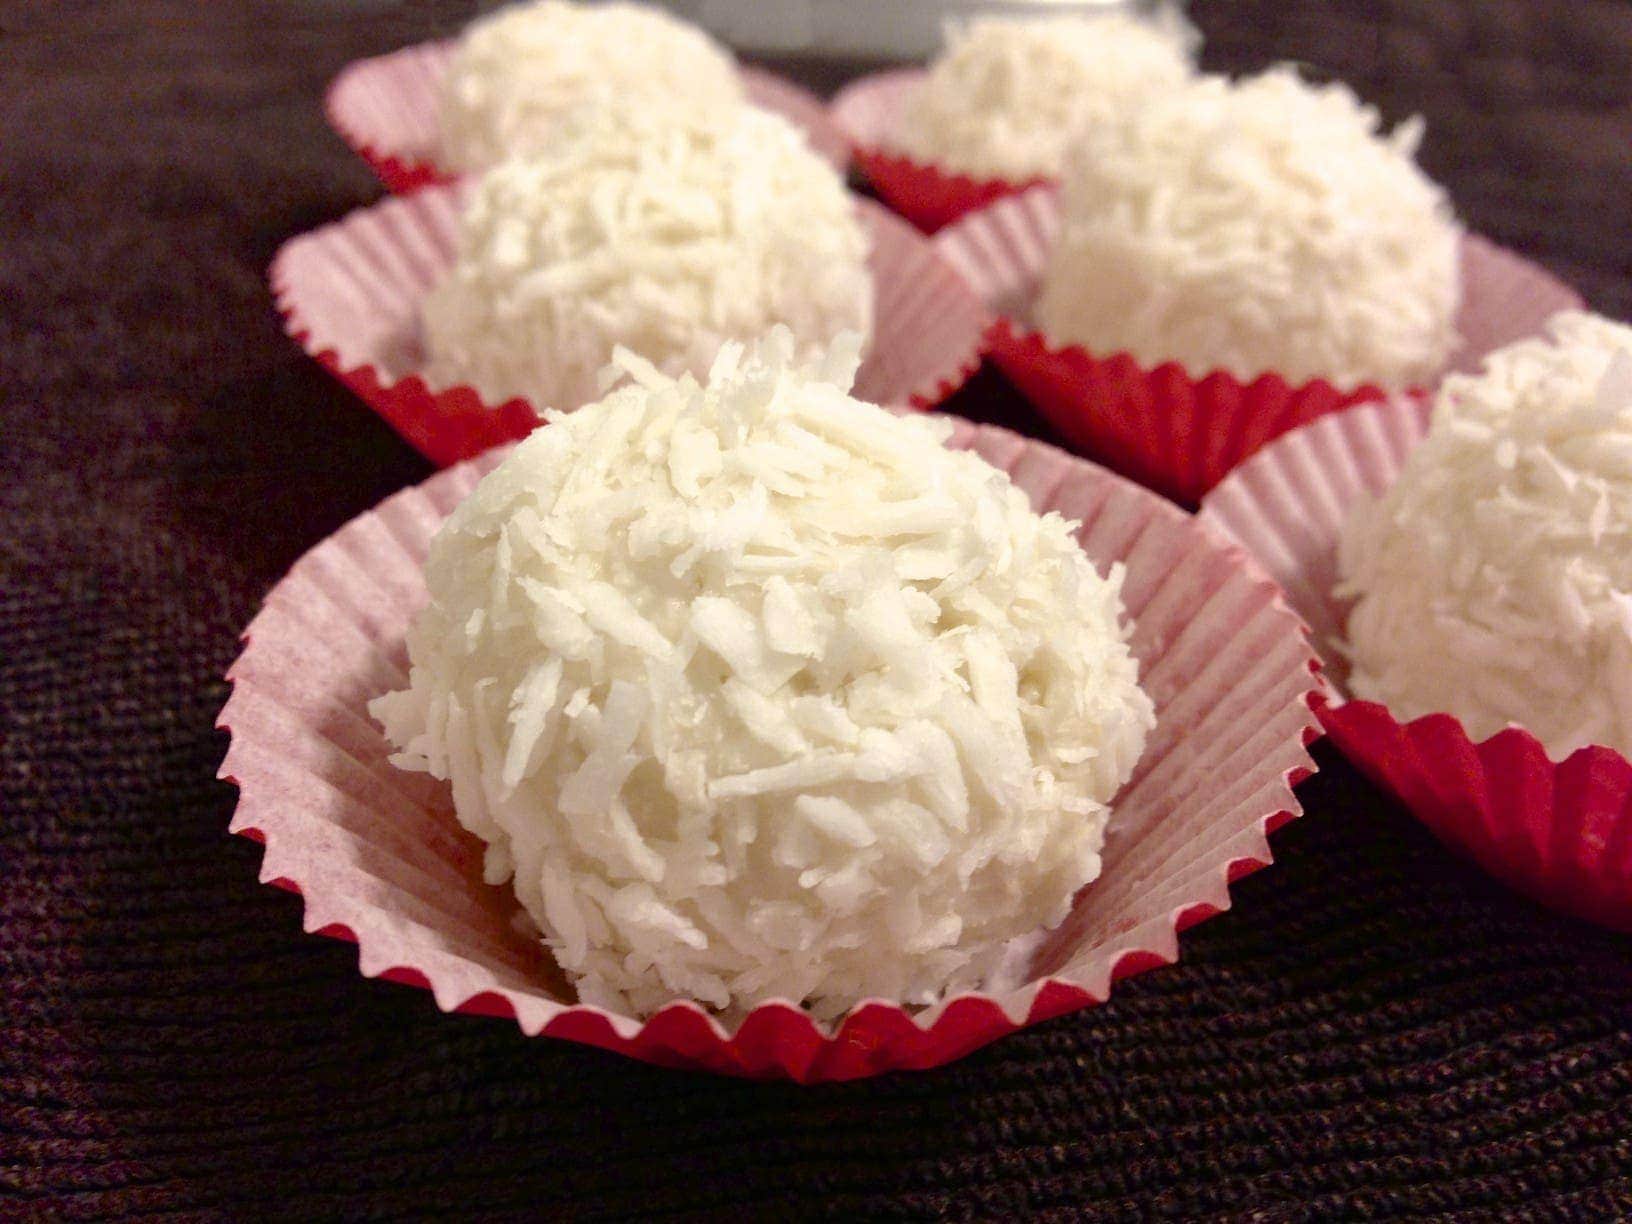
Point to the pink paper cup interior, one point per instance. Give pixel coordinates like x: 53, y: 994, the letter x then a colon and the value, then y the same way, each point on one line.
x: 386, y: 108
x: 378, y: 856
x: 867, y: 111
x: 1287, y: 505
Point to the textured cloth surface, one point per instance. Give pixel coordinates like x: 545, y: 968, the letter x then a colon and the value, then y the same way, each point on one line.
x: 1373, y: 1030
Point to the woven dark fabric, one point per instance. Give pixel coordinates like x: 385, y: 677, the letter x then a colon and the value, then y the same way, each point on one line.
x: 1373, y: 1030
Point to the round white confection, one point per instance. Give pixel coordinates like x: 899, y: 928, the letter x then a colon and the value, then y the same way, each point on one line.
x: 518, y: 71
x: 1495, y: 576
x: 667, y: 236
x: 1005, y: 96
x: 755, y: 691
x: 1262, y: 226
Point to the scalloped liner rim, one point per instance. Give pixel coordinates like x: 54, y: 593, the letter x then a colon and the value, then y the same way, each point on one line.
x: 1000, y: 187
x: 1004, y: 328
x: 1334, y: 700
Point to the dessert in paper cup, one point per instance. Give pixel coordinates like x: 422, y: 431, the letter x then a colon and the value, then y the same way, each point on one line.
x: 461, y: 311
x: 1213, y: 274
x: 739, y: 724
x: 1464, y: 567
x: 866, y: 112
x: 428, y: 113
x: 995, y: 112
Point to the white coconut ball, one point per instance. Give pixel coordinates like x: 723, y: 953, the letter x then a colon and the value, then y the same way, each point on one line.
x: 668, y: 236
x: 755, y: 691
x: 1005, y: 95
x: 516, y: 72
x: 1268, y: 225
x: 1494, y: 579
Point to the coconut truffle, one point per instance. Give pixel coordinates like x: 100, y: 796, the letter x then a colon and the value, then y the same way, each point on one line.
x: 755, y: 691
x: 1268, y: 225
x: 517, y: 72
x: 1004, y: 97
x: 665, y: 235
x: 1494, y: 579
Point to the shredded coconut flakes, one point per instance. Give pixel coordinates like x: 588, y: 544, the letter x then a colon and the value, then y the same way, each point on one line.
x: 1004, y: 97
x: 518, y: 73
x: 666, y: 234
x: 1265, y: 225
x: 851, y: 778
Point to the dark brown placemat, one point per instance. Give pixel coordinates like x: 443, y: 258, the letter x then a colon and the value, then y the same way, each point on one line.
x: 1375, y: 1029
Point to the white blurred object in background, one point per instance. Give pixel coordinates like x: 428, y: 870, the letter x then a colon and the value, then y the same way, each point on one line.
x: 869, y: 29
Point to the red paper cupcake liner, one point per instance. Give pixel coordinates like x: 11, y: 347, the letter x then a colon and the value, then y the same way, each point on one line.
x: 379, y: 858
x: 1164, y: 427
x: 1560, y: 832
x: 350, y: 293
x: 386, y: 108
x: 865, y: 112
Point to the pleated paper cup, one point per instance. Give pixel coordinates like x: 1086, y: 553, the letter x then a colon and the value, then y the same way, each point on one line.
x: 865, y: 113
x: 386, y: 108
x: 1560, y: 831
x: 1165, y: 427
x: 351, y: 293
x: 380, y: 859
